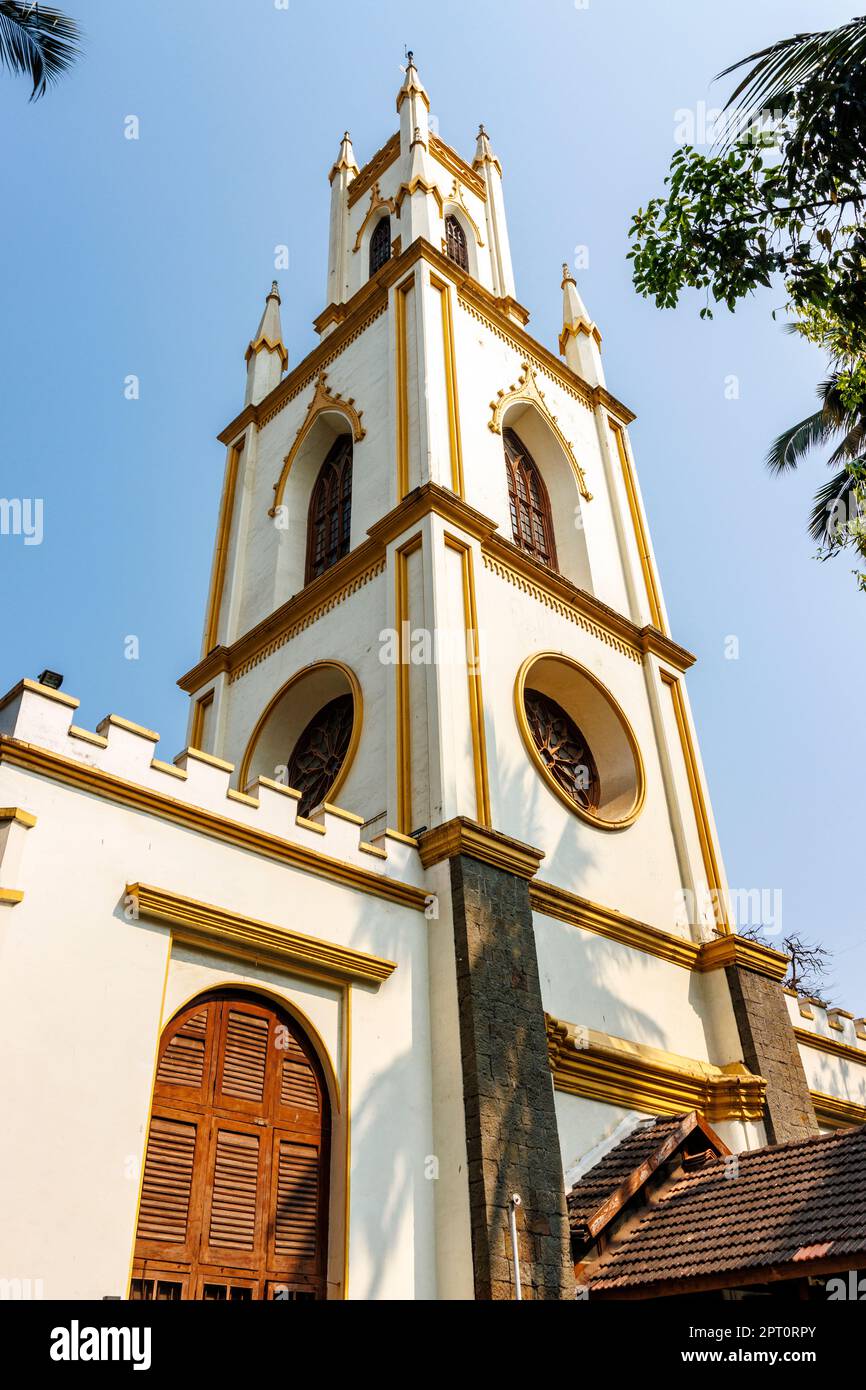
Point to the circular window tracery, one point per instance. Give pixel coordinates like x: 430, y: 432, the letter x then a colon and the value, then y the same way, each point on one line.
x: 563, y: 749
x: 578, y: 737
x: 320, y: 752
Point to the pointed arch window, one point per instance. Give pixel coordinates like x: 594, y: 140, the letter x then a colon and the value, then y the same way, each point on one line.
x: 330, y: 522
x: 455, y: 243
x: 380, y: 244
x: 531, y: 521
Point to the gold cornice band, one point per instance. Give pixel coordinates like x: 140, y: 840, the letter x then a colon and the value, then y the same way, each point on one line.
x: 462, y: 836
x: 353, y: 317
x: 831, y: 1046
x: 11, y: 897
x: 217, y: 929
x: 731, y: 949
x: 374, y: 169
x: 473, y: 673
x: 368, y: 560
x: 86, y: 778
x: 835, y: 1112
x: 14, y: 815
x: 463, y: 172
x: 614, y: 1071
x: 698, y: 956
x: 556, y: 902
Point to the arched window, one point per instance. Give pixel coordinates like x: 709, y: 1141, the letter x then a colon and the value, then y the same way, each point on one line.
x: 531, y: 522
x: 234, y: 1198
x: 380, y: 244
x: 320, y: 752
x: 455, y: 243
x: 330, y: 522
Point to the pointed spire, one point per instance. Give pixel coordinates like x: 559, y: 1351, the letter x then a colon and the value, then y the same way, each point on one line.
x: 580, y: 339
x: 266, y: 356
x: 484, y: 152
x: 412, y: 84
x: 345, y: 160
x: 487, y: 165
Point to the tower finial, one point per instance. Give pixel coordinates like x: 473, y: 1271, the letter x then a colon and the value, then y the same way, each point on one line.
x: 266, y: 355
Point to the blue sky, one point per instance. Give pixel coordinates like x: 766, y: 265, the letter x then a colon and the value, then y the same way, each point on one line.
x: 152, y: 257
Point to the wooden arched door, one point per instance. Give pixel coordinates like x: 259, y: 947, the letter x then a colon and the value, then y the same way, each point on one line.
x: 234, y: 1200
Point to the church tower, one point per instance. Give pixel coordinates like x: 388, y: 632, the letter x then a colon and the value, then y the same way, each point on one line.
x: 435, y: 611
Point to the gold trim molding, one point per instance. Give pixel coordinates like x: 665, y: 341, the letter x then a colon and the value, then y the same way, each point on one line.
x: 217, y: 929
x: 373, y: 170
x: 615, y: 1071
x: 837, y: 1112
x: 324, y: 401
x: 456, y: 197
x: 463, y: 172
x: 616, y: 709
x: 87, y: 778
x: 367, y: 561
x: 830, y: 1045
x: 15, y: 816
x: 462, y: 836
x: 528, y: 391
x: 604, y: 921
x: 731, y: 949
x: 473, y: 673
x: 377, y: 202
x: 11, y: 897
x: 354, y: 740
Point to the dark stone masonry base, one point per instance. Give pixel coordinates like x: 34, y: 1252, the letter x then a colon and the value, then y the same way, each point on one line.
x: 770, y: 1049
x: 511, y: 1129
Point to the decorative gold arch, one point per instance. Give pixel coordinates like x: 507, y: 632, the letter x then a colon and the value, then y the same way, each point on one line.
x: 324, y: 400
x: 357, y: 722
x: 528, y: 390
x: 376, y: 203
x: 457, y: 199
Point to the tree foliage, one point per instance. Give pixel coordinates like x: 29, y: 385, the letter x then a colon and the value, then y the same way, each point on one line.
x: 38, y: 42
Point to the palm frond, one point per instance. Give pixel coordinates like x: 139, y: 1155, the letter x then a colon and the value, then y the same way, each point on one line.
x: 771, y: 83
x: 38, y: 42
x: 792, y: 447
x: 836, y: 493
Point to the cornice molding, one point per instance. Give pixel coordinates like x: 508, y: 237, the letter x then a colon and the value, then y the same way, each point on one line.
x: 84, y: 777
x: 368, y: 560
x: 749, y: 955
x: 14, y: 815
x: 217, y: 929
x: 604, y: 921
x: 836, y: 1111
x: 374, y: 168
x: 353, y: 317
x: 615, y: 1071
x: 462, y: 836
x: 11, y: 897
x: 831, y: 1046
x: 457, y: 166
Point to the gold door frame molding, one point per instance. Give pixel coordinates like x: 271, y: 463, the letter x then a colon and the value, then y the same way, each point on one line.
x: 527, y: 390
x: 443, y: 289
x: 212, y: 928
x: 324, y: 401
x: 696, y: 791
x: 616, y: 1071
x: 473, y: 673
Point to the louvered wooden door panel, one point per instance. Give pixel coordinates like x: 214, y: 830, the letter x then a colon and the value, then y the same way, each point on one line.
x: 235, y: 1186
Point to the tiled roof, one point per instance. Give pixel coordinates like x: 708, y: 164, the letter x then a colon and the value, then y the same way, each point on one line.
x: 792, y: 1203
x: 600, y: 1183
